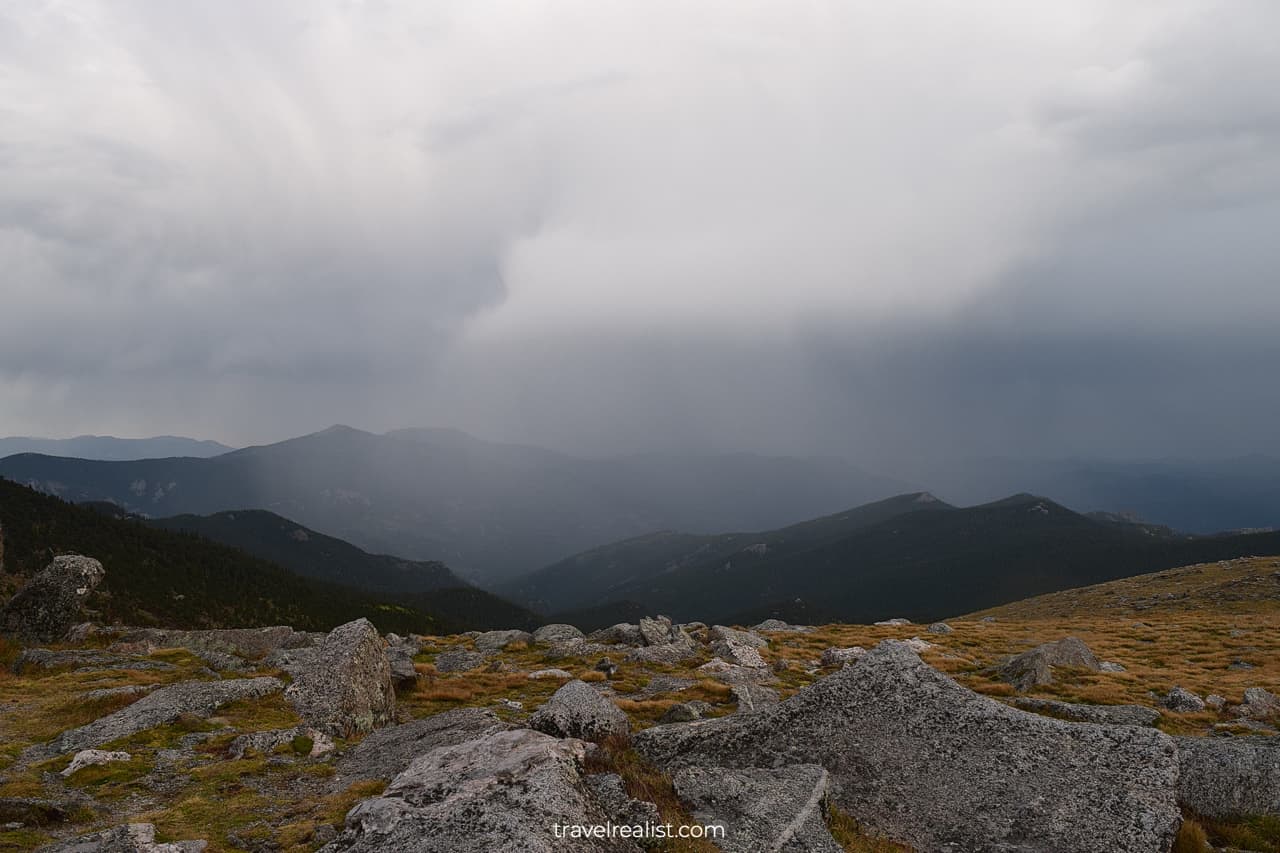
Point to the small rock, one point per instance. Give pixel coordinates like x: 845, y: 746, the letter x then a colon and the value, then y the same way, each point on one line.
x: 893, y: 623
x: 510, y: 704
x: 657, y: 631
x: 400, y: 662
x: 1182, y: 700
x: 754, y: 697
x: 940, y: 628
x: 1260, y: 703
x: 92, y: 757
x: 1215, y: 702
x: 682, y: 712
x: 1110, y: 666
x: 1239, y: 665
x: 549, y: 673
x: 918, y: 645
x: 577, y: 711
x: 1034, y: 668
x: 608, y: 667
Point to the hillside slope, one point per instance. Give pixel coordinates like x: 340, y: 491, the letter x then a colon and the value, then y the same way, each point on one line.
x: 427, y: 586
x: 165, y: 578
x: 607, y: 574
x: 491, y: 511
x: 922, y: 565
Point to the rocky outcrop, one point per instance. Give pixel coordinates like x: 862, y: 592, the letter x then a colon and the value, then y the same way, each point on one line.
x: 385, y: 753
x: 657, y: 631
x: 347, y: 689
x: 250, y: 644
x: 83, y: 660
x: 917, y: 758
x: 493, y: 641
x: 775, y: 809
x: 130, y: 838
x: 157, y: 708
x: 1225, y: 777
x: 51, y: 603
x: 1258, y: 704
x: 1034, y: 668
x: 622, y: 634
x: 940, y: 628
x: 741, y: 648
x: 511, y: 790
x: 1111, y: 715
x: 577, y: 711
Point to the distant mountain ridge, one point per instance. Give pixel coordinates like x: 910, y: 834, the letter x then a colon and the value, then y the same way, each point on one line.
x: 490, y: 511
x: 911, y: 556
x: 110, y: 448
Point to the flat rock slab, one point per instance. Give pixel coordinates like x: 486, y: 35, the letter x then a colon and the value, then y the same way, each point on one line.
x: 386, y: 753
x: 157, y: 708
x: 84, y: 660
x: 919, y: 759
x: 130, y: 838
x: 508, y: 791
x: 780, y: 810
x: 1230, y: 776
x: 1110, y: 715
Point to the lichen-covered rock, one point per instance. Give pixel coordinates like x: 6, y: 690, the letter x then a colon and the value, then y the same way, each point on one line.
x: 1259, y: 703
x: 400, y: 661
x: 130, y: 838
x: 577, y: 711
x: 557, y: 633
x: 1182, y: 700
x: 511, y: 790
x: 302, y: 740
x: 387, y: 752
x: 842, y: 657
x: 157, y: 708
x: 1225, y: 777
x: 940, y: 628
x: 657, y: 631
x: 458, y: 660
x: 1111, y: 715
x: 84, y: 660
x: 251, y: 644
x: 51, y: 603
x: 1034, y: 668
x: 92, y: 758
x: 919, y: 759
x: 769, y: 626
x: 679, y: 651
x: 737, y: 647
x: 493, y: 641
x: 622, y: 634
x: 754, y: 697
x: 347, y: 689
x: 539, y: 674
x: 775, y: 809
x: 610, y: 793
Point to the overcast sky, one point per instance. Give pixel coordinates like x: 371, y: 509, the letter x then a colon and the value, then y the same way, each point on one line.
x: 852, y: 227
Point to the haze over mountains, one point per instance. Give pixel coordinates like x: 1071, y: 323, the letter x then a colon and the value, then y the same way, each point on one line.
x: 108, y: 447
x: 490, y: 511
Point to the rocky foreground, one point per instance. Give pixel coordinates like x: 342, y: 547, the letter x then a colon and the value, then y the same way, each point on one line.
x: 792, y: 738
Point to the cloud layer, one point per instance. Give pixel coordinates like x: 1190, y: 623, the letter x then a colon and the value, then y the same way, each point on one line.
x: 861, y: 228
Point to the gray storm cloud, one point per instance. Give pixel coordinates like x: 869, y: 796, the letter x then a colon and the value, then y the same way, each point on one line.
x: 864, y: 228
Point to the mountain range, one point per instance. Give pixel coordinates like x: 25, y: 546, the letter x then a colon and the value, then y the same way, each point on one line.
x: 490, y: 511
x: 107, y: 447
x: 912, y: 556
